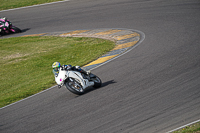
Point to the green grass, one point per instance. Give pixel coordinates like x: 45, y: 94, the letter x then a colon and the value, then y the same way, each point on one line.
x: 9, y: 4
x: 26, y: 62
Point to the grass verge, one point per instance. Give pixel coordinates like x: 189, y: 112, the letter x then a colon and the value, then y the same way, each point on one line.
x: 195, y: 128
x: 26, y: 62
x: 9, y: 4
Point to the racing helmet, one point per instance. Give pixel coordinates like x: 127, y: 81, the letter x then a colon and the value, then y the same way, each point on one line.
x: 56, y: 66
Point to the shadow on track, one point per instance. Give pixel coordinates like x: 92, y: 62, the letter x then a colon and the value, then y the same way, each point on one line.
x: 24, y: 30
x: 103, y: 85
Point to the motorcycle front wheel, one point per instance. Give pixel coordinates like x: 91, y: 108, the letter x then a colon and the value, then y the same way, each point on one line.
x: 15, y: 29
x: 74, y: 86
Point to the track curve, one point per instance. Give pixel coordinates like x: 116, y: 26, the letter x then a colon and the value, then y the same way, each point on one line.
x: 125, y: 40
x: 153, y: 88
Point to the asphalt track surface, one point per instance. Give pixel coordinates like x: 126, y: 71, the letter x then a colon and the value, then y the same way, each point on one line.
x: 153, y: 88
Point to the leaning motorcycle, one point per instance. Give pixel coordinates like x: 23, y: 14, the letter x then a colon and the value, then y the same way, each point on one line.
x: 6, y: 27
x: 75, y: 81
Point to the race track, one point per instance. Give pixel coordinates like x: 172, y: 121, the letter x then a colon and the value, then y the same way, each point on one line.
x: 154, y: 88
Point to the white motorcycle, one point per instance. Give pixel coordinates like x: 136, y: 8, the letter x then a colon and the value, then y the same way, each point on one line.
x: 75, y: 81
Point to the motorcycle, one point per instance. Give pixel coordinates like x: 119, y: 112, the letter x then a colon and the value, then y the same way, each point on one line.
x: 6, y: 27
x: 75, y: 81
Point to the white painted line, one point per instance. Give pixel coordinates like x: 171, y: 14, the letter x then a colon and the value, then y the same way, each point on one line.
x: 134, y: 46
x: 183, y: 126
x: 34, y: 5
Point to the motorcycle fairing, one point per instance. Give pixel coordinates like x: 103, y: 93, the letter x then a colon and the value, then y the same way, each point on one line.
x: 77, y: 75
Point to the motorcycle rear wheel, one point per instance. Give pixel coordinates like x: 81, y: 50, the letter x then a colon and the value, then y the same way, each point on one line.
x: 74, y: 86
x: 96, y: 80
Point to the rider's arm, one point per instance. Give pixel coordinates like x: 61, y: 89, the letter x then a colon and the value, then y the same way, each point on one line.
x: 55, y: 73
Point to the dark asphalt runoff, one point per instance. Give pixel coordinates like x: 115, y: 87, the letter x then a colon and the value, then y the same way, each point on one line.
x: 154, y: 88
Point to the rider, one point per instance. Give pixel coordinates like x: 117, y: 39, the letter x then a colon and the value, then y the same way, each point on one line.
x: 56, y: 67
x: 4, y: 24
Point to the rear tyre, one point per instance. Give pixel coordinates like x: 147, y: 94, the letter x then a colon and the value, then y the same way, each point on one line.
x: 2, y: 32
x: 96, y: 80
x: 74, y: 86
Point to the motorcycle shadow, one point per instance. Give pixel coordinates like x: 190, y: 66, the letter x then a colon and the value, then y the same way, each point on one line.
x: 103, y: 85
x: 24, y: 30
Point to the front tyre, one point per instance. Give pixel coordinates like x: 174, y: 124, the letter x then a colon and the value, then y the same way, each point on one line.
x: 15, y: 29
x: 74, y: 86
